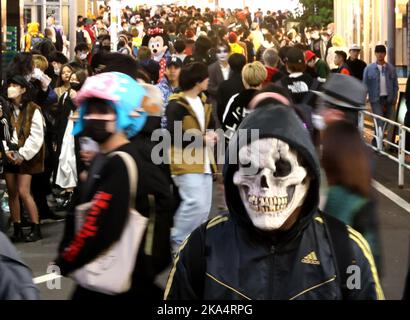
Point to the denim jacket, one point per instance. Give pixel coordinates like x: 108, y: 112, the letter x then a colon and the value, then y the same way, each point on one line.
x: 371, y: 78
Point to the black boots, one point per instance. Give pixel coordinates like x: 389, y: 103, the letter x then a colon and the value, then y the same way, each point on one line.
x: 18, y: 233
x: 35, y: 233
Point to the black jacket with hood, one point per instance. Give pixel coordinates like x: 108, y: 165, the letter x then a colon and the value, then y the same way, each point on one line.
x: 240, y: 262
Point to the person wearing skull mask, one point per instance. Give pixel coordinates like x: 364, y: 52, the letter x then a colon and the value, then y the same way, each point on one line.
x: 274, y: 244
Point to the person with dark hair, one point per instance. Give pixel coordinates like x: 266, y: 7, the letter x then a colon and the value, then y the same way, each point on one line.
x: 24, y: 137
x: 219, y: 71
x: 340, y: 62
x: 356, y: 66
x: 190, y: 109
x: 169, y: 84
x: 247, y: 40
x: 81, y: 54
x: 56, y: 61
x: 382, y: 86
x: 179, y: 46
x: 201, y: 51
x: 298, y: 82
x: 232, y: 86
x: 63, y: 82
x: 345, y: 159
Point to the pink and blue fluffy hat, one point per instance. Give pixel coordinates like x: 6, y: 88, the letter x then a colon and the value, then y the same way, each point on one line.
x: 122, y: 92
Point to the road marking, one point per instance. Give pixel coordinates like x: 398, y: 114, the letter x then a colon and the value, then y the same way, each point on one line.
x: 46, y: 278
x: 391, y: 196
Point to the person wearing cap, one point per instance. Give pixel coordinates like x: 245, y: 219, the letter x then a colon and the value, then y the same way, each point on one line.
x: 356, y: 66
x: 298, y: 82
x: 340, y: 62
x: 382, y: 85
x: 169, y: 84
x: 316, y: 67
x: 23, y: 144
x: 235, y: 46
x: 107, y: 104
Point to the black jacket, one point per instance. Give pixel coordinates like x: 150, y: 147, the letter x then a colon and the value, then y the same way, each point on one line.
x: 226, y: 90
x: 157, y: 199
x: 356, y: 68
x: 236, y: 110
x: 242, y: 262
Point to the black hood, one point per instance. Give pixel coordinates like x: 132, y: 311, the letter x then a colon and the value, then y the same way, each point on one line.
x: 280, y: 122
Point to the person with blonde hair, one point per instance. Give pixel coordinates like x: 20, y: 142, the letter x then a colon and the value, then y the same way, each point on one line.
x: 253, y: 76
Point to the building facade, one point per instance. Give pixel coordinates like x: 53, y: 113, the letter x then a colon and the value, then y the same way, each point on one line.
x: 372, y: 22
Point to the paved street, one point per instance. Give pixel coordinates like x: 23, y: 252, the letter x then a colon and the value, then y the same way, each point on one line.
x: 394, y: 230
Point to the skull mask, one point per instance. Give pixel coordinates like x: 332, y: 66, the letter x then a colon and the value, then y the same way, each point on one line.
x: 271, y: 182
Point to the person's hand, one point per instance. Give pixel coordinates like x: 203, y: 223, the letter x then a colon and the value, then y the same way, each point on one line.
x: 19, y: 159
x: 211, y: 138
x: 73, y: 94
x: 10, y: 156
x: 45, y: 82
x: 87, y: 156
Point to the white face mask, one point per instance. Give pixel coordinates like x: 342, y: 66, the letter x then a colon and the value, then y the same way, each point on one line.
x: 83, y: 56
x: 57, y: 71
x: 13, y: 92
x: 274, y: 185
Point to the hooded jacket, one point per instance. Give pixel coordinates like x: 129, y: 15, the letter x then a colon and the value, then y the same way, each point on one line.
x: 241, y: 262
x: 180, y: 114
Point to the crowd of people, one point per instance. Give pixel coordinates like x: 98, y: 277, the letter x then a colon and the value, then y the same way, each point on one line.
x: 86, y: 126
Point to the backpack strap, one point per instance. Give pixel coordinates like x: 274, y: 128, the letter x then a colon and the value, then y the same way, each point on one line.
x: 341, y: 249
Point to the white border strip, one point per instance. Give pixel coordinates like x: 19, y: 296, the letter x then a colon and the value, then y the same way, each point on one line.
x: 46, y: 278
x: 391, y: 196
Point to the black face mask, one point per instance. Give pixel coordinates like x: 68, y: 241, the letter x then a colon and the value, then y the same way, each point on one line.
x: 97, y: 130
x: 75, y: 86
x: 106, y: 48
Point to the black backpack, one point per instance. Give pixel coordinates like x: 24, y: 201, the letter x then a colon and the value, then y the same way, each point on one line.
x: 15, y: 277
x: 81, y: 37
x: 337, y: 234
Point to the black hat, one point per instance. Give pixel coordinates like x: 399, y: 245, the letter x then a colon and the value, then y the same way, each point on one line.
x: 174, y: 61
x: 344, y: 92
x: 295, y: 55
x: 20, y: 80
x: 380, y: 48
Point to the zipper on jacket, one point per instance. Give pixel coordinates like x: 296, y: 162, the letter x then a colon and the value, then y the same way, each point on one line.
x: 271, y: 271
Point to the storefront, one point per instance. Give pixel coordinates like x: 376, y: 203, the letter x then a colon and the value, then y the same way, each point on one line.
x: 366, y: 22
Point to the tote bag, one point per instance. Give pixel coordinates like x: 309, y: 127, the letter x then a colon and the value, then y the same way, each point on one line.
x: 111, y: 272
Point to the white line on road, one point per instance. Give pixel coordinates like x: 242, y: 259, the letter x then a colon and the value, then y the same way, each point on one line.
x: 391, y: 196
x: 46, y: 277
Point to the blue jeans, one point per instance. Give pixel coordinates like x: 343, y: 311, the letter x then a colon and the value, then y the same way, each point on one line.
x: 384, y: 109
x: 195, y: 191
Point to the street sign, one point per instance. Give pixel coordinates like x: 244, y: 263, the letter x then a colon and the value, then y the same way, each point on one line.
x: 11, y: 38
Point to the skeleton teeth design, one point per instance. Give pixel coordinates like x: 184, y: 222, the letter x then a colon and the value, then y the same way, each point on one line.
x: 268, y: 204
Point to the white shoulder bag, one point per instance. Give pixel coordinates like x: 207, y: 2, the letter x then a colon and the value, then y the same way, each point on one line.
x: 111, y: 272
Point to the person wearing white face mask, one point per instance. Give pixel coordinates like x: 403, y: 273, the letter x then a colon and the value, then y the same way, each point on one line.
x: 23, y: 142
x: 81, y: 55
x: 218, y: 72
